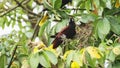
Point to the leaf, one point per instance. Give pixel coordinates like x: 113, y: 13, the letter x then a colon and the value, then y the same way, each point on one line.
x: 57, y: 4
x: 43, y: 28
x: 103, y: 3
x: 103, y: 26
x: 3, y: 24
x: 116, y: 50
x: 34, y: 60
x: 111, y: 56
x: 25, y: 64
x: 63, y: 14
x: 89, y: 60
x: 69, y: 59
x: 20, y: 25
x: 52, y: 57
x: 47, y: 5
x: 78, y: 58
x: 108, y: 4
x: 94, y: 52
x: 43, y: 19
x: 86, y: 18
x: 88, y: 5
x: 2, y: 61
x: 115, y: 24
x: 60, y: 63
x: 15, y: 64
x: 97, y: 3
x: 117, y: 4
x: 44, y: 60
x: 101, y: 36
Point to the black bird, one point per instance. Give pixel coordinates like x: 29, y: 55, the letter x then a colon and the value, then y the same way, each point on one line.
x: 68, y: 32
x: 64, y: 2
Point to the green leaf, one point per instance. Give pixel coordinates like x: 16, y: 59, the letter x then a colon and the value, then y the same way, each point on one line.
x: 52, y: 57
x: 101, y: 36
x: 111, y: 56
x: 86, y: 18
x: 95, y: 31
x: 90, y: 61
x: 77, y: 57
x: 97, y: 3
x: 103, y: 26
x: 88, y: 5
x: 34, y: 60
x: 115, y: 24
x: 2, y: 21
x: 47, y: 5
x: 2, y: 61
x: 57, y: 4
x: 69, y: 59
x: 102, y: 3
x: 63, y: 14
x: 20, y: 25
x: 108, y: 4
x: 44, y: 60
x: 43, y: 28
x: 60, y: 63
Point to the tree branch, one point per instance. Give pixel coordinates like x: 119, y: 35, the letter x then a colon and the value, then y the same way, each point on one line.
x: 77, y: 9
x: 36, y: 29
x: 29, y: 11
x: 11, y: 60
x: 11, y: 9
x: 118, y: 12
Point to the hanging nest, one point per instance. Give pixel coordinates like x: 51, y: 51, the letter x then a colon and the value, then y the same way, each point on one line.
x: 82, y: 38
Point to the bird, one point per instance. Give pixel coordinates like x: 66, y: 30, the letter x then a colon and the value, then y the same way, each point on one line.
x: 68, y: 31
x: 64, y: 2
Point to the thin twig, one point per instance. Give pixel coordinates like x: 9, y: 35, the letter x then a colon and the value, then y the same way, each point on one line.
x: 29, y: 11
x: 11, y: 9
x: 77, y: 9
x: 11, y: 60
x: 36, y: 29
x: 118, y: 12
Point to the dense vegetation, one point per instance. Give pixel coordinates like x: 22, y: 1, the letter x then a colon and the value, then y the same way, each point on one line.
x: 95, y: 45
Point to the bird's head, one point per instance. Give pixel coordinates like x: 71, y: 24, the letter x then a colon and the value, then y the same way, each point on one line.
x: 72, y: 22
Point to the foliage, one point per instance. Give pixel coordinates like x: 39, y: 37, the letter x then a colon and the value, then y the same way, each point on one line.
x: 95, y: 45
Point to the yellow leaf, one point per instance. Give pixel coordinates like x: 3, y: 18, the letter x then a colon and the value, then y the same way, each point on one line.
x: 116, y: 50
x: 74, y: 64
x: 94, y: 52
x: 117, y: 4
x: 38, y: 47
x: 35, y: 50
x: 43, y: 19
x: 51, y: 46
